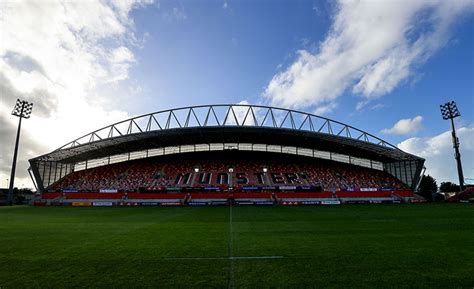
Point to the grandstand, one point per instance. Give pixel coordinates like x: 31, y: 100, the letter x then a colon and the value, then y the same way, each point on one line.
x: 218, y: 154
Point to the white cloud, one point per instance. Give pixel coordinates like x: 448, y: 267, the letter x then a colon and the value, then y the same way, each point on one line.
x: 371, y: 48
x: 175, y: 14
x: 325, y: 109
x: 59, y: 55
x: 439, y: 154
x: 225, y: 5
x: 407, y: 126
x: 179, y: 13
x: 378, y: 106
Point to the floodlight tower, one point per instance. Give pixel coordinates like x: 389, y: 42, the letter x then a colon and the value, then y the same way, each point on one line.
x: 22, y: 110
x: 450, y: 111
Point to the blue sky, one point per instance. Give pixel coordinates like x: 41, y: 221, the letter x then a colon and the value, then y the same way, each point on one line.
x: 223, y: 55
x: 218, y: 55
x: 381, y: 66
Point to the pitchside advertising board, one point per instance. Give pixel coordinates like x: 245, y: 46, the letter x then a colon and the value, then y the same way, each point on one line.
x: 244, y: 188
x: 170, y: 204
x: 257, y: 203
x: 108, y: 191
x: 150, y: 203
x: 197, y: 204
x: 210, y: 203
x: 82, y: 204
x: 296, y: 203
x: 102, y: 204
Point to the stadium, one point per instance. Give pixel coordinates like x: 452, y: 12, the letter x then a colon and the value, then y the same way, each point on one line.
x: 232, y: 196
x: 236, y: 144
x: 221, y: 154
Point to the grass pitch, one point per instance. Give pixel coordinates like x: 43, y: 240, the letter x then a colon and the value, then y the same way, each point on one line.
x: 350, y: 246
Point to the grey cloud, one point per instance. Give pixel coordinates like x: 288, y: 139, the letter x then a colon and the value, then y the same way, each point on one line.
x: 44, y: 102
x: 23, y: 62
x: 28, y: 148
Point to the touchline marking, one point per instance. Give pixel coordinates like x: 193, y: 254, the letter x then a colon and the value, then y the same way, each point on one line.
x: 231, y: 250
x: 225, y: 258
x: 256, y: 257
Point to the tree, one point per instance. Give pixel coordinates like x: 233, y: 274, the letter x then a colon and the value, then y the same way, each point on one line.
x: 448, y: 187
x: 428, y: 186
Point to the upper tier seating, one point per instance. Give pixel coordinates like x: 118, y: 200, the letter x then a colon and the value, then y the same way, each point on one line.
x: 224, y: 171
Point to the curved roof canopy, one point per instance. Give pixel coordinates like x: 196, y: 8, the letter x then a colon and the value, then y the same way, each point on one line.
x: 226, y: 123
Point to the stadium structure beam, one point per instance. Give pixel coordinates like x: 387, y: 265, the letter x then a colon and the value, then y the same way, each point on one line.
x: 227, y: 123
x: 22, y: 110
x: 450, y: 111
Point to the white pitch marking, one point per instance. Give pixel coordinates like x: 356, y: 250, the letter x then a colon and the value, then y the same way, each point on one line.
x: 256, y: 257
x: 225, y: 258
x: 231, y: 250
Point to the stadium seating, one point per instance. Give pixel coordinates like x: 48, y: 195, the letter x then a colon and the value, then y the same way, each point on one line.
x: 215, y: 173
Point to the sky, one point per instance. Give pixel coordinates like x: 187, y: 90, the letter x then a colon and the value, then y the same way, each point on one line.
x: 381, y: 66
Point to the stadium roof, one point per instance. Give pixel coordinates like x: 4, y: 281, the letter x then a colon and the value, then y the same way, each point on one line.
x: 227, y: 123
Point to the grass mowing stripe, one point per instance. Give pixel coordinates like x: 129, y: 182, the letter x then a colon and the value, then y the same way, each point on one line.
x: 231, y: 250
x: 360, y: 246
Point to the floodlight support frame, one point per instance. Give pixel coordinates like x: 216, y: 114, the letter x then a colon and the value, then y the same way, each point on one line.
x: 12, y: 176
x: 23, y: 114
x: 450, y: 111
x: 457, y: 156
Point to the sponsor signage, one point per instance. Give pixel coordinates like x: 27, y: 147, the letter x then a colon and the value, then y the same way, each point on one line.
x: 311, y: 203
x: 102, y: 204
x: 417, y: 201
x: 218, y: 203
x: 368, y: 189
x: 171, y: 204
x: 290, y: 203
x: 81, y: 204
x: 150, y: 203
x: 173, y: 189
x: 269, y: 188
x: 211, y: 188
x: 250, y: 188
x: 357, y: 202
x: 70, y: 191
x: 197, y: 204
x: 264, y: 203
x: 108, y: 191
x: 287, y: 188
x: 244, y: 203
x: 330, y: 202
x: 130, y: 204
x: 154, y: 189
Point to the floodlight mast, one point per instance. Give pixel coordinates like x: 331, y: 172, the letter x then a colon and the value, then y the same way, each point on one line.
x: 22, y: 110
x: 450, y: 111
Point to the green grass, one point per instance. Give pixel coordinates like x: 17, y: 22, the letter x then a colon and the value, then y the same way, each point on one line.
x: 351, y: 246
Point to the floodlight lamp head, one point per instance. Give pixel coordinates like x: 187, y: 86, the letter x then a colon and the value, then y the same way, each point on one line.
x: 449, y: 110
x: 22, y: 109
x: 27, y: 110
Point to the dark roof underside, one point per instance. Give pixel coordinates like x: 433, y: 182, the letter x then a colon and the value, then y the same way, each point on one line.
x: 204, y: 135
